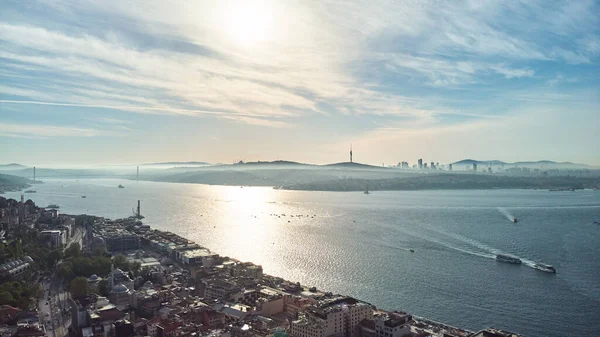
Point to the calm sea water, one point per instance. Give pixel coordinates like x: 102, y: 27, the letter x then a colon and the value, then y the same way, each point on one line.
x: 358, y: 244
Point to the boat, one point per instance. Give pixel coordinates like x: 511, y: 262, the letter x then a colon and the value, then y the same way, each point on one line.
x: 545, y: 267
x: 366, y: 192
x: 53, y: 206
x: 412, y: 250
x: 121, y: 186
x: 514, y: 220
x: 83, y: 197
x: 30, y: 191
x: 507, y: 259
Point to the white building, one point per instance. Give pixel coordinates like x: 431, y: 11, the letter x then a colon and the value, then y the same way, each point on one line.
x: 338, y: 317
x: 56, y: 238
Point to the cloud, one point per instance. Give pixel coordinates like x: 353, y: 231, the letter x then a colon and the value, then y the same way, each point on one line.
x: 513, y: 73
x: 42, y: 131
x: 322, y: 58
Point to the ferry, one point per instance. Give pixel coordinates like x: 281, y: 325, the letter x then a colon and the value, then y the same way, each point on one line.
x: 30, y: 191
x: 53, y: 206
x: 545, y: 267
x: 507, y: 259
x: 121, y: 186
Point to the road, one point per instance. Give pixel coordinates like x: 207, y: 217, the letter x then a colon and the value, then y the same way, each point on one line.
x: 54, y: 308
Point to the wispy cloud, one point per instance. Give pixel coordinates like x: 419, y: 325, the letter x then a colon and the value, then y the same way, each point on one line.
x: 42, y: 131
x: 394, y: 67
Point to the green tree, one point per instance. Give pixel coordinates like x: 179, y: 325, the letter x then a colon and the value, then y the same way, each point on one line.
x: 79, y: 287
x: 73, y: 251
x: 103, y: 287
x: 54, y: 256
x: 6, y: 298
x: 65, y: 270
x: 121, y: 262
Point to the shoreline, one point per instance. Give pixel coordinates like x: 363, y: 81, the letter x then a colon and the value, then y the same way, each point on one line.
x: 149, y: 241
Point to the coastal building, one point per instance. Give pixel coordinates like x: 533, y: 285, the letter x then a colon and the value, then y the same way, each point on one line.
x: 339, y: 316
x: 217, y: 289
x: 420, y: 163
x: 474, y: 167
x: 449, y: 167
x: 393, y: 325
x: 121, y: 241
x: 432, y: 165
x: 491, y: 332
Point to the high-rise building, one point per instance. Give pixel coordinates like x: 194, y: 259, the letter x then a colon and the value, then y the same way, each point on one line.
x: 425, y: 166
x: 449, y: 167
x: 350, y: 152
x: 432, y: 165
x: 474, y: 167
x: 420, y: 163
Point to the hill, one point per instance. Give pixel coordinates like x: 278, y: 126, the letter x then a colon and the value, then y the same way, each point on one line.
x: 12, y: 166
x: 450, y: 182
x: 10, y: 183
x: 540, y: 164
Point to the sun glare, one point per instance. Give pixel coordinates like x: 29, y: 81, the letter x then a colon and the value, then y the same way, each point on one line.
x: 250, y: 22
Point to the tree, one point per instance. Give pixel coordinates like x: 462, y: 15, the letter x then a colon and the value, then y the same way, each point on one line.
x: 121, y: 262
x: 103, y: 288
x: 6, y: 297
x: 65, y: 270
x: 54, y: 256
x: 79, y: 287
x: 73, y: 251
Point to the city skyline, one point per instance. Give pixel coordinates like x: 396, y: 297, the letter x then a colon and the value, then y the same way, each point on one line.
x: 91, y: 83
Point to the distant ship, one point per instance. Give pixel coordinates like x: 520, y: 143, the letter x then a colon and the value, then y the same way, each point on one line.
x: 121, y: 186
x: 30, y: 191
x: 514, y: 220
x: 507, y: 259
x: 53, y: 206
x: 545, y: 267
x: 412, y: 250
x: 366, y: 192
x: 83, y: 196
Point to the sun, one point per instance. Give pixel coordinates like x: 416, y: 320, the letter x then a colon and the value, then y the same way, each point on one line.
x: 250, y: 22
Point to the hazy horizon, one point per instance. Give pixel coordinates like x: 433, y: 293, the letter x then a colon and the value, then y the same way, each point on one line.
x: 112, y: 82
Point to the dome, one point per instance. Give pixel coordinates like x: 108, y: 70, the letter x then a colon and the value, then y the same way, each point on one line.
x: 119, y: 289
x: 93, y: 278
x: 27, y: 259
x: 148, y: 284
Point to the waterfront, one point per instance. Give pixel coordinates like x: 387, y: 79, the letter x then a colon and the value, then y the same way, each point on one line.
x: 359, y: 244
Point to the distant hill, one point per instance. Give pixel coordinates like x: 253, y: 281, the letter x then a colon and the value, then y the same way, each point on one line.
x: 176, y: 163
x: 542, y: 164
x: 12, y: 166
x: 272, y: 163
x: 449, y: 182
x: 10, y: 183
x: 351, y: 165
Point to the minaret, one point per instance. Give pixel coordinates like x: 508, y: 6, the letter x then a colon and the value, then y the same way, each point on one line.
x: 34, y: 173
x: 350, y: 152
x: 111, y: 280
x: 138, y: 174
x: 138, y: 210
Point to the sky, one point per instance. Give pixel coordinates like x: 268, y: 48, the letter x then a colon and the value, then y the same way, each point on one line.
x: 128, y: 82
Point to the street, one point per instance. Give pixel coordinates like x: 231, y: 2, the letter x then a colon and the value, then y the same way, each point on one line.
x: 54, y: 308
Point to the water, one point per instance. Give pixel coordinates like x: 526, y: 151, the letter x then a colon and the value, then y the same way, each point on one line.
x: 358, y: 244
